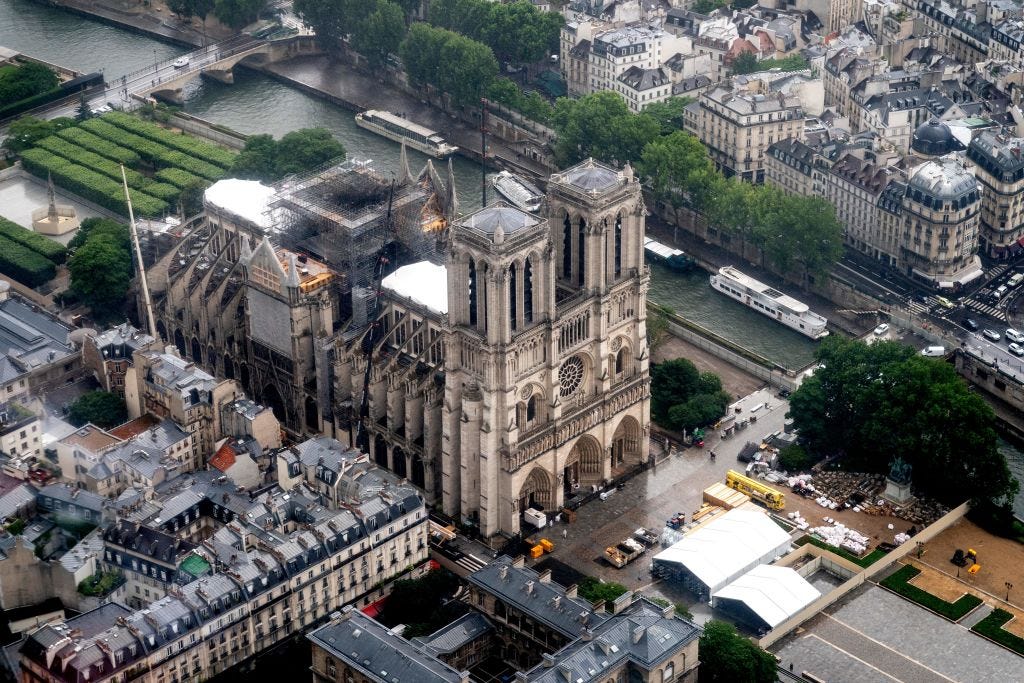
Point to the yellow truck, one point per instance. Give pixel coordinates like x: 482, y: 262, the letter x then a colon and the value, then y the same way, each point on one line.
x: 766, y: 495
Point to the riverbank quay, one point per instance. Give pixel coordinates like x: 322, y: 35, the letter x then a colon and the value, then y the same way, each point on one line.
x: 153, y: 20
x: 711, y: 257
x: 342, y: 84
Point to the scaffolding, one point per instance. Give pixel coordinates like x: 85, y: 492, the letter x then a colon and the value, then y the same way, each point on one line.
x: 350, y: 217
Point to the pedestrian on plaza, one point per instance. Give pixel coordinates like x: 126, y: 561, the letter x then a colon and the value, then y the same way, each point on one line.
x: 712, y: 456
x: 565, y: 533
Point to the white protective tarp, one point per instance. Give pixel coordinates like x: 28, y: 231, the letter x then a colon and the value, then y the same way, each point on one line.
x: 728, y: 546
x: 247, y: 199
x: 423, y: 282
x: 774, y: 594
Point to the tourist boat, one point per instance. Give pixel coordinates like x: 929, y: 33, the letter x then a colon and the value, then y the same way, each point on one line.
x: 771, y: 302
x: 519, y: 192
x: 398, y: 129
x: 673, y: 258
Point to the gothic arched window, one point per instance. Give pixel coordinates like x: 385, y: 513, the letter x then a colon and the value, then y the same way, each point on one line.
x: 528, y: 293
x: 618, y: 246
x: 512, y: 283
x: 567, y: 247
x: 581, y: 263
x: 472, y: 293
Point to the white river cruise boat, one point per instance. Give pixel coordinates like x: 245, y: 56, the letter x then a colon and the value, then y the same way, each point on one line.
x: 523, y: 194
x: 771, y: 302
x: 398, y: 129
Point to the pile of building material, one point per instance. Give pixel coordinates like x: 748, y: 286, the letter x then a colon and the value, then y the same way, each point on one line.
x: 901, y: 538
x: 842, y: 536
x: 798, y: 520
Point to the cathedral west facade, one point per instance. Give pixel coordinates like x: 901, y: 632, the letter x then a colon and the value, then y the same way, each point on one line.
x: 502, y: 367
x: 517, y: 373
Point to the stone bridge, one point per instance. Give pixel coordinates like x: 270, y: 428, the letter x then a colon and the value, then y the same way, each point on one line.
x: 217, y: 63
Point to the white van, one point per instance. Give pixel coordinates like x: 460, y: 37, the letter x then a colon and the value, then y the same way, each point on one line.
x: 934, y: 351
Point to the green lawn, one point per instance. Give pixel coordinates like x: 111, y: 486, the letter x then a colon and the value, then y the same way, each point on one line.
x: 992, y: 628
x: 954, y: 611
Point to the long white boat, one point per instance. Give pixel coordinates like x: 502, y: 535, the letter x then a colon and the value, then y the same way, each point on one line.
x: 398, y: 129
x: 522, y: 194
x: 771, y: 302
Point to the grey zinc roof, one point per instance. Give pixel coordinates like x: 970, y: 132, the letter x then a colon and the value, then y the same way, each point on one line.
x: 640, y: 79
x: 79, y: 497
x: 500, y: 216
x: 944, y: 179
x: 458, y: 633
x: 544, y: 600
x: 368, y: 646
x: 16, y: 499
x: 31, y: 336
x: 589, y: 176
x: 641, y: 633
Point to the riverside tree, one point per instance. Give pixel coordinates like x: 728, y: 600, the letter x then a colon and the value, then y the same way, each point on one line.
x: 516, y: 32
x: 867, y: 404
x: 269, y: 160
x: 453, y: 63
x: 380, y: 33
x: 600, y: 126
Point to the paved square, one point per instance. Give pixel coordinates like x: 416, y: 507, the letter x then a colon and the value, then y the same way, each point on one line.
x: 878, y: 636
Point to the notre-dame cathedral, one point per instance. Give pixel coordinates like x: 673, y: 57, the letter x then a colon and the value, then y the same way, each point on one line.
x: 500, y: 363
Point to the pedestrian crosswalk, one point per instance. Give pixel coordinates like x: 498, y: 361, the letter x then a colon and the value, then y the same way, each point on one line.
x: 918, y: 308
x: 471, y: 562
x: 987, y: 309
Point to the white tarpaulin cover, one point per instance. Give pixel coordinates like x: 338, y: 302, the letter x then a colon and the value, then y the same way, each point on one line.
x: 728, y: 546
x: 246, y: 199
x: 423, y: 282
x: 773, y: 593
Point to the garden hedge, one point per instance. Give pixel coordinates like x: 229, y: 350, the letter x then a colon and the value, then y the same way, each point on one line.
x: 24, y: 265
x: 42, y: 245
x: 105, y: 148
x: 153, y: 152
x: 147, y: 149
x: 183, y: 143
x: 954, y: 611
x: 89, y: 184
x: 992, y: 628
x: 91, y: 160
x: 179, y: 178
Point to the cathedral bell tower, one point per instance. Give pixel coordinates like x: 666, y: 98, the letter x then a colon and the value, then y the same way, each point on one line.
x: 547, y: 386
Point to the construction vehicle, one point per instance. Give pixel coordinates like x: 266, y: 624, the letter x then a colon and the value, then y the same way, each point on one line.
x: 766, y: 495
x: 622, y: 554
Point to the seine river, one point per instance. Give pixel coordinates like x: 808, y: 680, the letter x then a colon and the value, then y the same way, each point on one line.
x: 258, y: 104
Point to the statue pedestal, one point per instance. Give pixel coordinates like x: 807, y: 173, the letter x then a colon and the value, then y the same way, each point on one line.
x: 897, y: 493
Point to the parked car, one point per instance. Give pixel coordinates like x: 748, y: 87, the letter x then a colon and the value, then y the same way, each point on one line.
x: 1014, y: 336
x: 180, y: 63
x: 1016, y: 349
x: 991, y: 335
x: 882, y: 329
x: 971, y: 325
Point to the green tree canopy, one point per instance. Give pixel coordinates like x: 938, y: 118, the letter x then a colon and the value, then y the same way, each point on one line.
x: 91, y: 226
x: 670, y: 114
x: 457, y: 65
x: 728, y: 657
x: 679, y: 170
x: 516, y: 32
x: 25, y: 81
x: 380, y: 33
x: 191, y: 8
x: 600, y: 126
x: 423, y: 604
x: 682, y: 397
x: 745, y: 63
x: 268, y: 160
x: 238, y: 13
x: 26, y: 131
x: 868, y: 404
x: 101, y: 271
x: 101, y: 408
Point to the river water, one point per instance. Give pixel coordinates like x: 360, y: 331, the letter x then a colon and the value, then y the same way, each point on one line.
x: 259, y: 104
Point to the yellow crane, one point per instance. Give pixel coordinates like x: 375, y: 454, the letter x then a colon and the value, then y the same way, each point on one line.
x: 766, y: 495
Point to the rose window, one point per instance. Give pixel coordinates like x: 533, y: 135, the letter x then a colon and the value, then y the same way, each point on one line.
x: 570, y: 376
